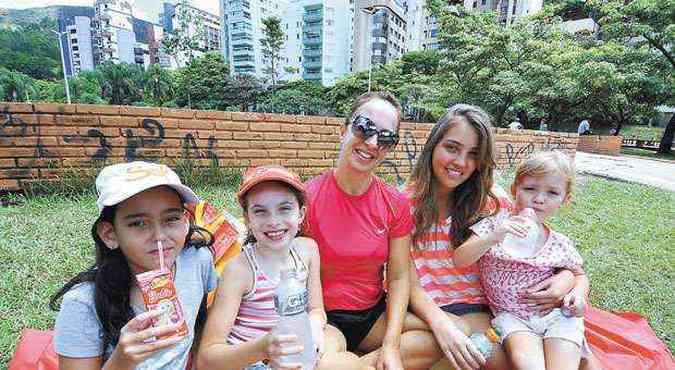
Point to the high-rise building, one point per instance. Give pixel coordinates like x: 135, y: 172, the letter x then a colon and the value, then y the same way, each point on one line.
x: 317, y: 36
x: 201, y: 21
x: 121, y: 38
x: 423, y: 28
x: 242, y: 30
x: 76, y: 39
x: 114, y: 31
x: 380, y: 31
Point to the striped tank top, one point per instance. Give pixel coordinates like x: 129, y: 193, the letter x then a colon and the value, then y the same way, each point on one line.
x: 257, y: 314
x: 433, y: 258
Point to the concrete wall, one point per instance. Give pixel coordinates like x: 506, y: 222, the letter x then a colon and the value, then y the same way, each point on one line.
x: 42, y: 140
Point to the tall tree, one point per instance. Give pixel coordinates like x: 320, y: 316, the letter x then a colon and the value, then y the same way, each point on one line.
x: 188, y: 35
x: 203, y: 83
x: 16, y: 86
x: 645, y: 24
x: 271, y: 46
x: 120, y: 83
x: 158, y: 86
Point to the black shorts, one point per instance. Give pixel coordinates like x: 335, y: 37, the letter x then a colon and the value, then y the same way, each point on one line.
x: 355, y: 325
x: 460, y: 309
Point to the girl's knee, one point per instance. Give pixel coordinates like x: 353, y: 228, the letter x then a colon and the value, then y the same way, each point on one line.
x: 342, y: 360
x: 334, y: 339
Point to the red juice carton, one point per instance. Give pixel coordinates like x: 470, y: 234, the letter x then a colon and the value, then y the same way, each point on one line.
x: 159, y: 293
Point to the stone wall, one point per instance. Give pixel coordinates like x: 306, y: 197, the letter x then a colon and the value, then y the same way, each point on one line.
x: 41, y: 140
x: 608, y: 145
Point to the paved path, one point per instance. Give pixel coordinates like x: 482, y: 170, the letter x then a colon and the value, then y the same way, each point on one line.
x: 660, y: 174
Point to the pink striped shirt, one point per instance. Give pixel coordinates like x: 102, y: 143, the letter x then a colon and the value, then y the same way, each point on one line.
x: 441, y: 280
x: 257, y: 314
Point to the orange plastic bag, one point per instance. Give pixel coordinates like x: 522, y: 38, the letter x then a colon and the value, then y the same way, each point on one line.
x: 35, y: 351
x: 624, y: 340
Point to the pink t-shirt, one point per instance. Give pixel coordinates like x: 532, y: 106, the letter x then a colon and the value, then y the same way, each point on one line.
x: 353, y: 234
x: 506, y: 277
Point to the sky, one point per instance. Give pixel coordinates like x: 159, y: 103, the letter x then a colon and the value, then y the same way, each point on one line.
x: 143, y: 9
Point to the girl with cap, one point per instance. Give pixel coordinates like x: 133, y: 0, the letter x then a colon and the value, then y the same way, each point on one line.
x: 102, y: 322
x: 360, y: 224
x: 239, y: 332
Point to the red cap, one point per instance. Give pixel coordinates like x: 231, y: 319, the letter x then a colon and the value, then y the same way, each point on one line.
x: 256, y: 175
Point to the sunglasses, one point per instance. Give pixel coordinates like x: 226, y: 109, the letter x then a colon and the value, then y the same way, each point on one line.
x: 364, y: 128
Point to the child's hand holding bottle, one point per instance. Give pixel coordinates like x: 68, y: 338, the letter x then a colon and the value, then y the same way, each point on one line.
x: 574, y: 304
x: 277, y: 347
x: 521, y: 234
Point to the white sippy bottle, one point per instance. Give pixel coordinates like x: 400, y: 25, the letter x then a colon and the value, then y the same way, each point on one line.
x: 523, y: 247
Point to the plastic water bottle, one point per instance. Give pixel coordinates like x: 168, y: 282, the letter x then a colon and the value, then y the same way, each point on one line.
x: 290, y: 300
x: 485, y: 342
x: 523, y: 247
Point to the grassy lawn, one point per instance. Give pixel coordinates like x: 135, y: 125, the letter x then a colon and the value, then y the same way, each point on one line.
x: 624, y: 232
x: 647, y: 154
x: 642, y: 132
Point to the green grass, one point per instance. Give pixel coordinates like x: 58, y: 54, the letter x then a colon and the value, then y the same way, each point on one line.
x: 647, y: 154
x: 624, y: 232
x: 642, y: 132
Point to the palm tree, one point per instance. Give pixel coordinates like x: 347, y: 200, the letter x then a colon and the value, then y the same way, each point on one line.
x: 15, y: 86
x: 119, y: 82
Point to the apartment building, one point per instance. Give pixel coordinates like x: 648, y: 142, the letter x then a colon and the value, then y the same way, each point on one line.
x: 317, y: 40
x: 242, y: 30
x: 201, y: 24
x: 380, y: 30
x: 113, y: 31
x: 423, y: 28
x: 76, y: 39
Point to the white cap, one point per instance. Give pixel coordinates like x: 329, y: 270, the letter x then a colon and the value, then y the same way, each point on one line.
x: 118, y: 182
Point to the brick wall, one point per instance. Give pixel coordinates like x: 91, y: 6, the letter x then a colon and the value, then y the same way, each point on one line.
x: 608, y: 145
x: 41, y: 140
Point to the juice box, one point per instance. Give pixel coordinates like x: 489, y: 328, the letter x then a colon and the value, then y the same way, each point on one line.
x: 159, y: 292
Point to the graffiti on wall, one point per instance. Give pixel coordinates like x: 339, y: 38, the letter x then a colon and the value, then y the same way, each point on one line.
x: 139, y: 142
x: 150, y: 135
x: 516, y: 154
x: 410, y: 148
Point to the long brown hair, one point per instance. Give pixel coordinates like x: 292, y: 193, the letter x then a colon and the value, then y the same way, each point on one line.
x: 470, y: 198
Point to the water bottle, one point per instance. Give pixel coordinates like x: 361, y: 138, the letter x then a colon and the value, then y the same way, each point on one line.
x: 485, y: 342
x: 290, y: 300
x: 523, y: 247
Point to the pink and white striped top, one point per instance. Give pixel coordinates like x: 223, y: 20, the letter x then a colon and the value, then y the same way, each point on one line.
x: 433, y: 258
x: 257, y: 315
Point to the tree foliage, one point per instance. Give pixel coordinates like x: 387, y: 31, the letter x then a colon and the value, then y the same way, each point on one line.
x: 202, y: 84
x: 158, y: 86
x: 187, y: 36
x: 296, y: 97
x: 32, y: 50
x: 121, y: 82
x: 16, y: 86
x: 271, y: 43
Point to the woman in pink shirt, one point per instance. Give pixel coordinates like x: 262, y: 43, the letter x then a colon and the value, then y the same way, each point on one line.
x: 360, y: 224
x: 451, y: 189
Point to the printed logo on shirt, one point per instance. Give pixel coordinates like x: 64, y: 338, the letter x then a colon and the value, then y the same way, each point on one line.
x: 380, y: 231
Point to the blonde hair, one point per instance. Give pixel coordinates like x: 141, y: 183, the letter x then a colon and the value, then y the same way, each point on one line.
x: 546, y: 163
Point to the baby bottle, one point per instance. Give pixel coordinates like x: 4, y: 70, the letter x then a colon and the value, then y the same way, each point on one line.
x: 523, y: 247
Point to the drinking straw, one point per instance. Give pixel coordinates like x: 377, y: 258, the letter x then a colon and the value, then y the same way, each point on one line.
x: 161, y: 254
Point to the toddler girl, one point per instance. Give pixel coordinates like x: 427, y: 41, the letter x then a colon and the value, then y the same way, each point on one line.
x: 533, y: 340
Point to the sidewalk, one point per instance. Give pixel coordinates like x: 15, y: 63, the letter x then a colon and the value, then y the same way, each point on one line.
x: 660, y: 174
